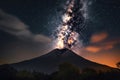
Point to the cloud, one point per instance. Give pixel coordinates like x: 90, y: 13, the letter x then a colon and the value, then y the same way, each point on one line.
x: 26, y: 44
x: 12, y: 24
x: 98, y: 37
x: 16, y: 27
x: 101, y: 42
x: 93, y: 49
x: 97, y: 48
x: 112, y: 41
x: 42, y: 38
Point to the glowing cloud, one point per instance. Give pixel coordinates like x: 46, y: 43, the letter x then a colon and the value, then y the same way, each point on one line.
x: 93, y: 49
x: 99, y: 37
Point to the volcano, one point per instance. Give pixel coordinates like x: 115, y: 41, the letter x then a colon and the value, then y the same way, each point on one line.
x: 49, y: 63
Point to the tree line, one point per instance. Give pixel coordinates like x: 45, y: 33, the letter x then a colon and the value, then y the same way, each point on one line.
x: 66, y: 71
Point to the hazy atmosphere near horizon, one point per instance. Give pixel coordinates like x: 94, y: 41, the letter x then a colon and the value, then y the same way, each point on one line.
x: 27, y: 29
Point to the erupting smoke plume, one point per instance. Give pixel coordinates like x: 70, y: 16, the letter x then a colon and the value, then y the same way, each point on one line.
x: 73, y: 20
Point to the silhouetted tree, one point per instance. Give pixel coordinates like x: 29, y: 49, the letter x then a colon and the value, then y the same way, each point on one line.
x: 118, y: 65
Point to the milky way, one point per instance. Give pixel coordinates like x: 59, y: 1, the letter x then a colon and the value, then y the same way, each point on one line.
x: 73, y: 21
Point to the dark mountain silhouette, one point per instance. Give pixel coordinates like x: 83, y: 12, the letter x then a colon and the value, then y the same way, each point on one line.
x: 49, y: 63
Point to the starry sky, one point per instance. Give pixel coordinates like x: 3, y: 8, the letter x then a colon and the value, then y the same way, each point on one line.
x: 26, y: 28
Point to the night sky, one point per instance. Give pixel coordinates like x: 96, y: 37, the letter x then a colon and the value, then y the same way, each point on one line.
x: 26, y: 28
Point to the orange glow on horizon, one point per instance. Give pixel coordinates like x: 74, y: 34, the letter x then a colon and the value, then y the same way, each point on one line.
x: 109, y: 61
x: 105, y: 57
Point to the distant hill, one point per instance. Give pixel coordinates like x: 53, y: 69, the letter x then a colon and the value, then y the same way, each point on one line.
x: 49, y: 63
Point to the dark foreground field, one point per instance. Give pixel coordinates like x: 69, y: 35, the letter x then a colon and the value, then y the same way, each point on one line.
x: 66, y: 71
